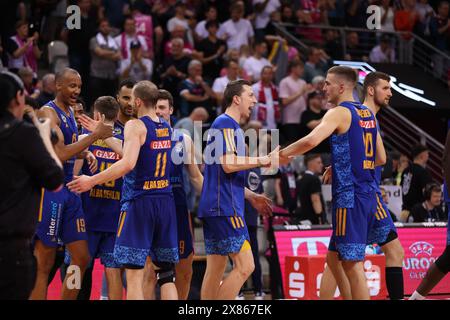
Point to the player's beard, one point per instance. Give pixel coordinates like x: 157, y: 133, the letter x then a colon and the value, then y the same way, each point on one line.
x: 381, y: 103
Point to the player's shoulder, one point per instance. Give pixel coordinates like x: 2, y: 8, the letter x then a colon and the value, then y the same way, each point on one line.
x: 224, y: 122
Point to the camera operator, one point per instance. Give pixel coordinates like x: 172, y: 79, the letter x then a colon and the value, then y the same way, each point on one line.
x: 28, y: 163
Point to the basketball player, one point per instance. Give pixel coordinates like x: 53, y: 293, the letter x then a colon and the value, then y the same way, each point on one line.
x: 221, y: 204
x: 61, y: 218
x: 356, y: 149
x: 441, y: 266
x: 377, y: 93
x: 148, y: 227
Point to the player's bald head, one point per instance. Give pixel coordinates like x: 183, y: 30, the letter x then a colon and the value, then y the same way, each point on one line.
x: 146, y: 91
x: 65, y: 73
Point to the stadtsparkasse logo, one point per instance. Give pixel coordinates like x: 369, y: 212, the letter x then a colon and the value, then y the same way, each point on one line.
x: 420, y: 259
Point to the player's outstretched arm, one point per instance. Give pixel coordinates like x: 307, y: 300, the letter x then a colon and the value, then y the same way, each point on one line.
x: 232, y: 163
x: 65, y: 152
x: 380, y: 156
x: 330, y: 122
x: 195, y: 175
x: 135, y: 133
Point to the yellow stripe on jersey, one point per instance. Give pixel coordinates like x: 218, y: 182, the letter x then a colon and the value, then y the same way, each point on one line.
x: 158, y: 164
x: 377, y: 213
x: 41, y: 205
x: 124, y: 214
x: 163, y: 170
x: 231, y: 139
x: 242, y: 222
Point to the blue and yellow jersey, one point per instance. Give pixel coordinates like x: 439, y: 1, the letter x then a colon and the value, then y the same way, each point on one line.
x: 153, y: 166
x: 353, y: 156
x: 222, y: 193
x: 101, y: 204
x: 69, y: 130
x: 176, y: 175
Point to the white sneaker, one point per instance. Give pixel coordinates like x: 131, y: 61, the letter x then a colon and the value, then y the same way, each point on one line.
x: 103, y: 298
x: 240, y: 296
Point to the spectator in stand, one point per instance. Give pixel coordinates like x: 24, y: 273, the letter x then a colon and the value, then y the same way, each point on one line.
x: 48, y: 89
x: 356, y: 15
x: 263, y: 10
x: 316, y: 65
x: 180, y: 20
x: 430, y: 210
x: 198, y: 114
x: 287, y: 16
x: 406, y: 19
x: 440, y: 27
x: 114, y: 11
x: 179, y: 32
x: 311, y: 118
x: 219, y: 85
x: 286, y: 188
x: 386, y: 201
x: 136, y: 67
x: 312, y: 12
x: 387, y: 16
x: 23, y: 50
x: 175, y: 69
x: 129, y: 35
x: 398, y: 167
x: 78, y: 110
x: 105, y: 57
x: 26, y: 75
x: 146, y: 28
x: 267, y: 110
x: 336, y: 12
x: 425, y: 12
x: 211, y: 50
x: 237, y: 31
x: 78, y: 41
x: 201, y: 31
x: 163, y: 11
x: 383, y: 53
x: 254, y: 64
x: 333, y: 45
x: 354, y: 50
x: 414, y: 179
x: 194, y: 91
x: 309, y: 191
x: 292, y: 94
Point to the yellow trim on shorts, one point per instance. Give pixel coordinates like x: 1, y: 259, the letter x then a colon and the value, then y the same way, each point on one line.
x: 41, y: 205
x: 245, y: 246
x: 122, y: 220
x: 344, y: 221
x: 232, y: 222
x: 384, y: 215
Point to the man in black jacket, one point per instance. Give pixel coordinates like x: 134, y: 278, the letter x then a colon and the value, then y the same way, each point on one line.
x: 28, y: 163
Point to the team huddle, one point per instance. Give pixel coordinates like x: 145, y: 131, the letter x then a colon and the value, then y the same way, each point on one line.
x: 124, y: 202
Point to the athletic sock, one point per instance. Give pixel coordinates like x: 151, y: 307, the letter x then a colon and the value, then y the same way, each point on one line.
x: 416, y: 296
x: 394, y: 283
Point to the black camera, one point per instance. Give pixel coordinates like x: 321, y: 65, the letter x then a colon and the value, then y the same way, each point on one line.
x: 53, y: 135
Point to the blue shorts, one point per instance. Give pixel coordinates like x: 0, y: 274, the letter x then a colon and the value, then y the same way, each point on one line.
x: 61, y: 219
x: 148, y: 228
x: 351, y: 227
x: 184, y: 226
x: 224, y: 235
x: 382, y: 225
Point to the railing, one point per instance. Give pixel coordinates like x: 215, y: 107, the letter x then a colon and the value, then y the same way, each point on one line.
x: 401, y: 134
x: 409, y: 48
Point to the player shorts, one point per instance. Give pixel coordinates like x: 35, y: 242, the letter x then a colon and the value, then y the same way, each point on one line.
x: 382, y: 225
x: 351, y: 227
x: 184, y: 226
x: 224, y: 235
x: 148, y: 228
x: 61, y: 219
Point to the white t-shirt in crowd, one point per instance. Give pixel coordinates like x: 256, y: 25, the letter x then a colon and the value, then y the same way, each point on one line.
x: 292, y: 111
x: 253, y: 67
x: 220, y: 84
x: 270, y: 110
x: 263, y: 18
x: 238, y: 33
x: 201, y: 31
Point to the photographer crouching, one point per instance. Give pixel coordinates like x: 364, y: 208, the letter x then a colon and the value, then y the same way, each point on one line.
x: 28, y: 163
